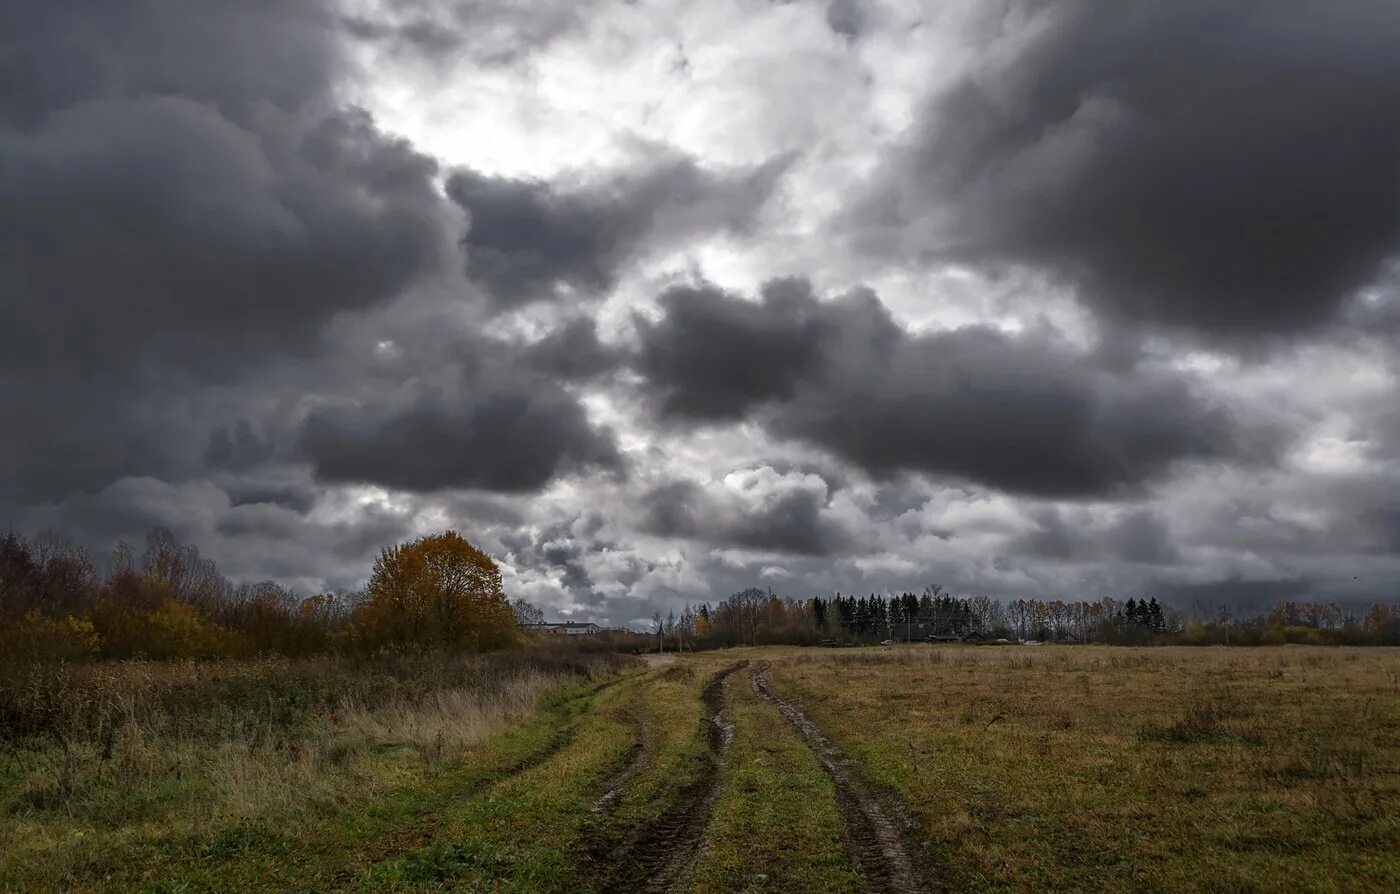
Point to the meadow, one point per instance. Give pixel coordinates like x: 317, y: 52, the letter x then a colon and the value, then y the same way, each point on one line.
x: 897, y: 768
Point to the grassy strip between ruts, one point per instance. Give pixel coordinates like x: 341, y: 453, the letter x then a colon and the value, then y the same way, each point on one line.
x: 544, y: 830
x: 271, y: 853
x: 673, y: 761
x: 1143, y: 769
x: 776, y: 827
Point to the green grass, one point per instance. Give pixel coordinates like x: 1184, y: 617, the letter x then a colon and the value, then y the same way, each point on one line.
x: 526, y: 828
x: 1055, y: 768
x: 776, y: 827
x: 542, y: 830
x: 177, y: 821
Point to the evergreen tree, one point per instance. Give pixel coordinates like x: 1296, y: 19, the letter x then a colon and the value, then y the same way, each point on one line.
x: 1155, y: 618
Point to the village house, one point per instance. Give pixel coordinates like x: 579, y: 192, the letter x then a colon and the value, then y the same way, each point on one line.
x: 565, y: 628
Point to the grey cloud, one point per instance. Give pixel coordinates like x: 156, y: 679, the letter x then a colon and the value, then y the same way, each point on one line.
x: 1139, y: 536
x: 156, y: 228
x: 572, y: 351
x: 846, y: 17
x: 231, y: 56
x: 223, y: 296
x: 1235, y: 593
x: 792, y: 520
x: 714, y: 356
x: 492, y: 32
x: 249, y: 540
x: 182, y: 206
x: 531, y: 240
x: 239, y: 445
x: 297, y: 497
x: 1024, y: 413
x: 506, y: 436
x: 1231, y: 169
x: 559, y: 550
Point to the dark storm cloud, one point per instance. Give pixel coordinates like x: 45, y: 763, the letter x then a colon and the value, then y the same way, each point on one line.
x: 223, y: 295
x: 1140, y: 536
x: 297, y: 497
x: 238, y: 446
x: 414, y: 35
x: 1236, y: 594
x: 531, y: 240
x: 512, y: 436
x: 792, y: 521
x: 1232, y: 169
x: 181, y: 204
x: 157, y: 227
x: 494, y: 32
x: 713, y: 356
x: 845, y: 17
x: 1382, y: 525
x: 572, y: 351
x: 1025, y: 413
x: 232, y: 56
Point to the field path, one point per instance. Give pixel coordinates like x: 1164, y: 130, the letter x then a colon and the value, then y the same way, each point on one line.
x: 423, y: 828
x: 877, y: 830
x: 613, y: 788
x: 659, y: 859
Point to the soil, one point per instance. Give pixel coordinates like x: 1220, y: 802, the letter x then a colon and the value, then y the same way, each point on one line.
x: 879, y: 834
x: 660, y: 858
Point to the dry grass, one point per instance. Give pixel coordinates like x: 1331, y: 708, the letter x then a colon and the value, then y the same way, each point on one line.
x: 1081, y: 768
x: 1110, y: 768
x: 99, y: 755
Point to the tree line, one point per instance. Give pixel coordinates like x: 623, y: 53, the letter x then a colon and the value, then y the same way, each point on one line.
x: 168, y: 601
x: 441, y: 592
x: 758, y: 616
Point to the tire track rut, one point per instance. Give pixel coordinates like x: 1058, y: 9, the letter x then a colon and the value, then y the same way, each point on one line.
x: 879, y: 834
x: 425, y: 827
x: 660, y: 858
x: 631, y: 765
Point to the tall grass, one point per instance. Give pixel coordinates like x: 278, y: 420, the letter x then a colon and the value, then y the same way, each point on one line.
x: 117, y: 742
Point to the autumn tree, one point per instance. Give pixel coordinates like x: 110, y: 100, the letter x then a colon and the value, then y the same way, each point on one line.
x: 436, y: 591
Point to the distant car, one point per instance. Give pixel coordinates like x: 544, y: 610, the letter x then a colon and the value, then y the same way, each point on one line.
x: 886, y: 642
x: 1004, y: 642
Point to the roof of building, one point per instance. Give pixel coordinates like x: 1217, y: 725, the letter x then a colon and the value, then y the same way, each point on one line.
x: 573, y: 624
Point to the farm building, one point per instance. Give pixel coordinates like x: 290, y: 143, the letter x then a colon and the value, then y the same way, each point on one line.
x: 565, y: 628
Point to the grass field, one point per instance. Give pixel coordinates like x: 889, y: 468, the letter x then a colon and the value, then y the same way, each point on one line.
x: 903, y: 768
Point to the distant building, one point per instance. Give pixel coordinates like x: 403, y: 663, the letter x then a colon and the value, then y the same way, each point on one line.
x: 565, y: 628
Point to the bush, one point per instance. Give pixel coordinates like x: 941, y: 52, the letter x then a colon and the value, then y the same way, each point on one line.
x: 35, y: 637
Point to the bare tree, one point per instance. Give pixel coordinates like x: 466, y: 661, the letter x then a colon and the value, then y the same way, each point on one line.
x: 526, y: 614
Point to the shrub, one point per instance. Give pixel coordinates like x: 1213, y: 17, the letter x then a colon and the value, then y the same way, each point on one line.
x: 36, y: 637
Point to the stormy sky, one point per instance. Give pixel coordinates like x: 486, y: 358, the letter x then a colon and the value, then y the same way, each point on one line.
x: 658, y: 300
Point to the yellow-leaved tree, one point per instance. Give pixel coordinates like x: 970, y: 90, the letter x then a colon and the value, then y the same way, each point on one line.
x: 436, y: 591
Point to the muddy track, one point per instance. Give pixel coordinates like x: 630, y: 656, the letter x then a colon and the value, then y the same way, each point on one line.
x: 631, y: 765
x: 879, y: 834
x: 419, y: 833
x: 660, y: 857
